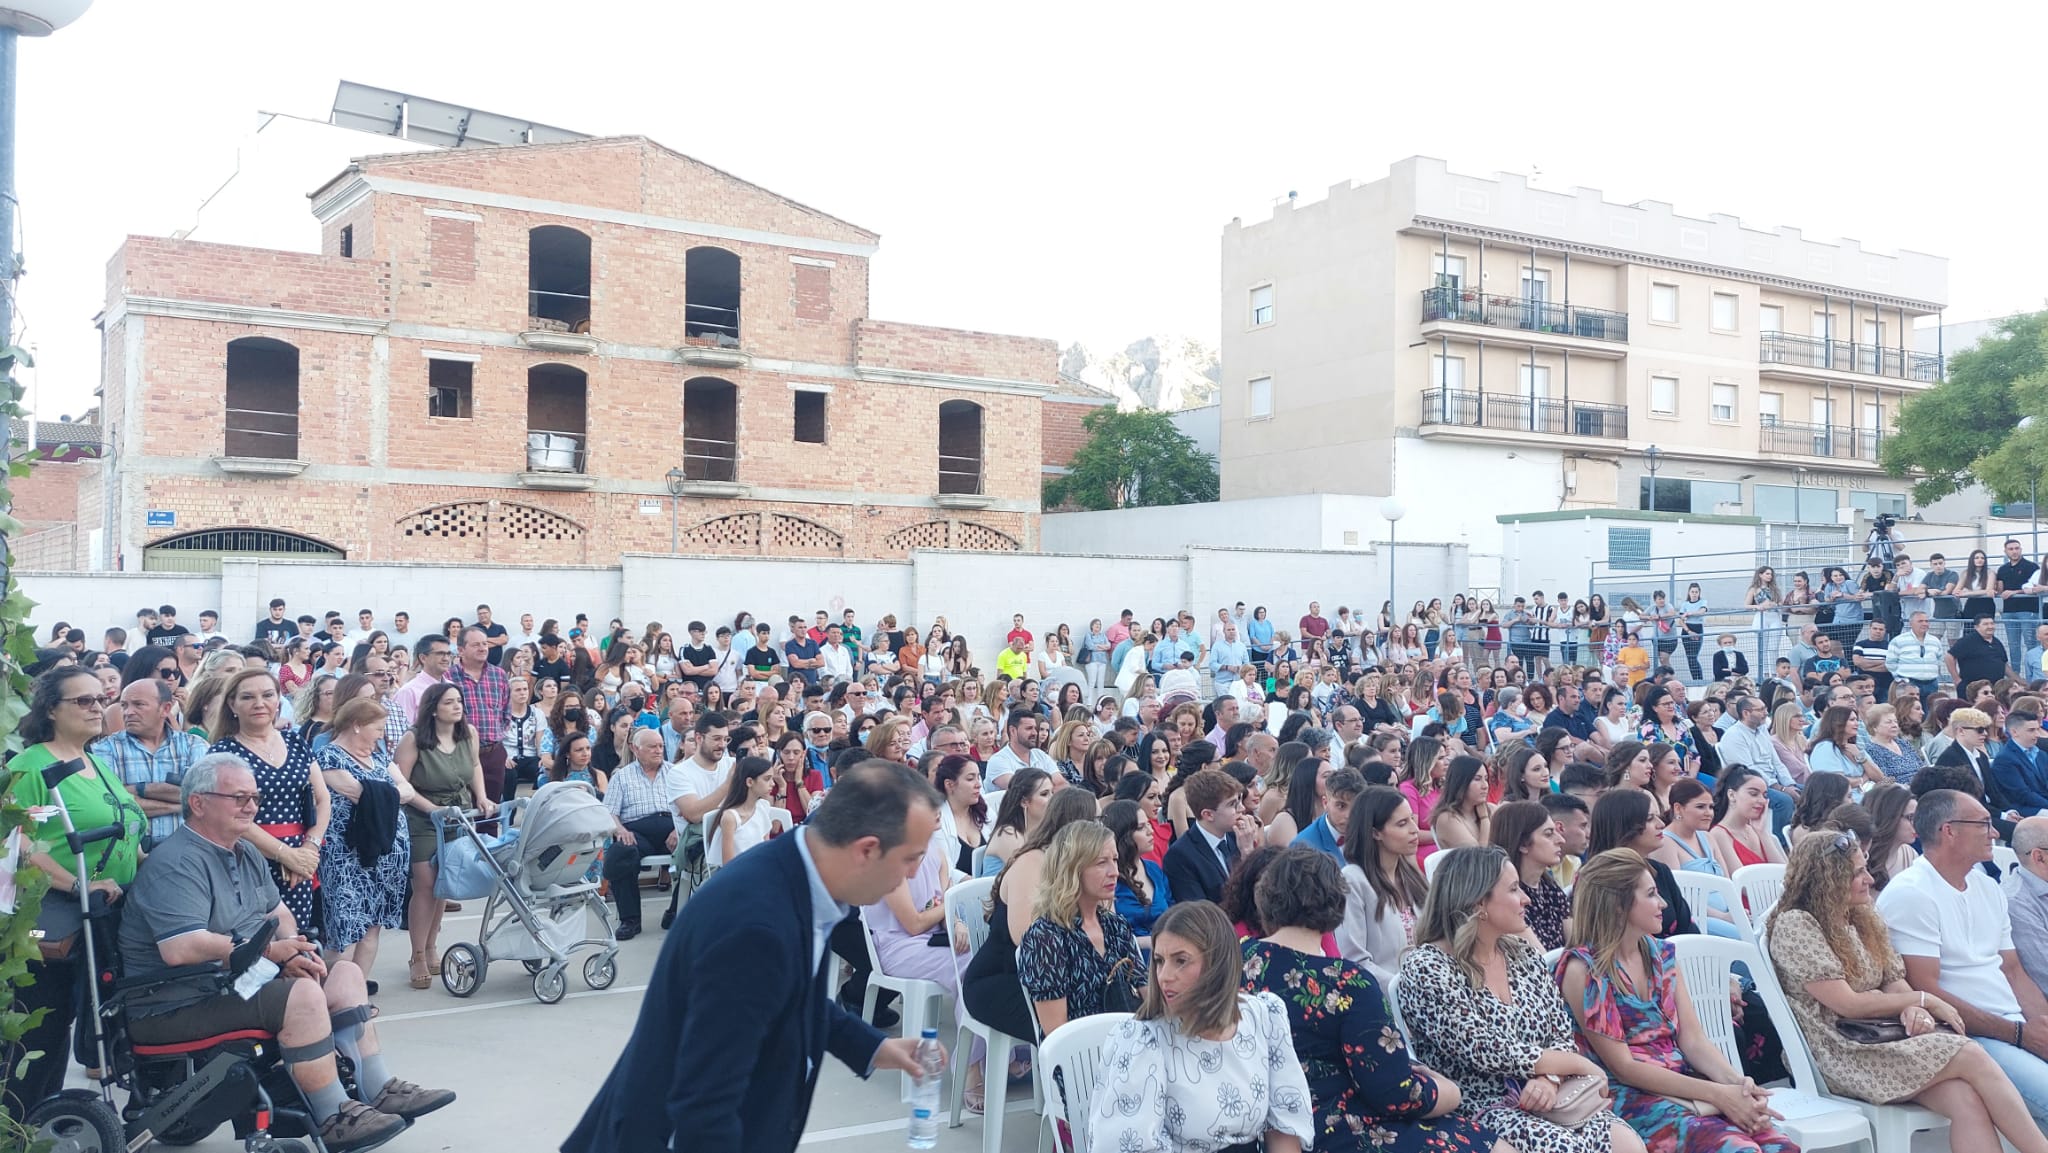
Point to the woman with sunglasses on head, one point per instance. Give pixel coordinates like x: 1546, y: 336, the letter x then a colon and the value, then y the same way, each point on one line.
x: 291, y: 821
x: 63, y: 717
x: 1834, y: 957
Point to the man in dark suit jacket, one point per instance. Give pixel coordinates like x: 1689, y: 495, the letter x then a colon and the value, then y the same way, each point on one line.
x: 738, y: 1015
x: 2019, y: 775
x: 1198, y: 863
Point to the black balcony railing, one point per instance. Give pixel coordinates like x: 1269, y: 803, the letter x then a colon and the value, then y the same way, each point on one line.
x: 555, y: 450
x: 1845, y: 356
x: 1469, y: 306
x: 1838, y: 441
x: 708, y: 458
x: 1509, y: 412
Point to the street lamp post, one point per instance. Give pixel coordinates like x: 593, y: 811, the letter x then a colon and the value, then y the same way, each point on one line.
x: 1653, y: 455
x: 675, y: 491
x: 1393, y: 510
x: 2033, y: 483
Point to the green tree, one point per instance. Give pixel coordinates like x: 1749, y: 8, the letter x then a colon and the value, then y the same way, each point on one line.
x: 1134, y: 459
x: 1960, y: 432
x: 17, y: 651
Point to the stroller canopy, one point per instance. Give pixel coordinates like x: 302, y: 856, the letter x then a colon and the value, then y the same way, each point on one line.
x: 565, y: 813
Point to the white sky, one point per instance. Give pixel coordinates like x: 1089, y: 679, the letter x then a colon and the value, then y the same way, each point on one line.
x: 1065, y: 170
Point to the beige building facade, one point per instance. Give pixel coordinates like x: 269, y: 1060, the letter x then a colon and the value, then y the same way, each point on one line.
x: 1476, y: 345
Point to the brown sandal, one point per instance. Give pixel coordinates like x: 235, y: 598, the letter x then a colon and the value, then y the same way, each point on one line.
x: 420, y: 977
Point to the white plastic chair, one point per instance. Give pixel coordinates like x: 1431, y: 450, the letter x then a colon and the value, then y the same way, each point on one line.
x: 964, y: 906
x: 1697, y: 888
x: 922, y: 1000
x: 980, y: 855
x: 1813, y: 1118
x: 1761, y: 887
x: 1074, y: 1050
x: 1392, y: 988
x: 1430, y: 864
x: 2005, y: 858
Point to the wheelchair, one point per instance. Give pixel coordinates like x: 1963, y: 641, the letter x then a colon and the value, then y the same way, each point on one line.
x: 178, y: 1093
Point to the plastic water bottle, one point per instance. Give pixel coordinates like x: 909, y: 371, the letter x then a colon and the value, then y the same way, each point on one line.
x: 924, y: 1091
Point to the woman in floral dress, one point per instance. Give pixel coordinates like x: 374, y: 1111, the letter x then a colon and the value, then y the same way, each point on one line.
x: 1365, y: 1091
x: 363, y: 893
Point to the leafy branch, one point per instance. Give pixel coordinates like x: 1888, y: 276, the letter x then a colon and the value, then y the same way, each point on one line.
x: 17, y: 651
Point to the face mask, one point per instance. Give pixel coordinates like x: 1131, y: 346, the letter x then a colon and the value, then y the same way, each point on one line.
x: 1727, y: 648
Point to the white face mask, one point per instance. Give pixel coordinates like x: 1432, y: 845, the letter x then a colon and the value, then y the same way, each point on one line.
x: 1727, y: 648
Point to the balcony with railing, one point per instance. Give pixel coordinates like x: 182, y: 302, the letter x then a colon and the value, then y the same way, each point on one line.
x: 1470, y: 306
x: 1511, y: 412
x: 710, y: 459
x: 1813, y: 352
x: 1833, y: 441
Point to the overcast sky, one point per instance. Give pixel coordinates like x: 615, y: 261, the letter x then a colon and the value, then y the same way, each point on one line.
x: 1065, y: 170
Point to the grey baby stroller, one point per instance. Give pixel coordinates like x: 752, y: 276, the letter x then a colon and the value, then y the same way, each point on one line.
x: 539, y: 905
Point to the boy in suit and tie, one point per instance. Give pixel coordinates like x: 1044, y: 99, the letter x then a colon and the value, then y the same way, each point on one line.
x: 1197, y: 864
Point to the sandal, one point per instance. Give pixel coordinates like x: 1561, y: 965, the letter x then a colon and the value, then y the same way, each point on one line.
x: 975, y: 1099
x: 434, y: 964
x: 420, y: 978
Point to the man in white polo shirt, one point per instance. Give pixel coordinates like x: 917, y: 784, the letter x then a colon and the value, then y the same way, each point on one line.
x: 1948, y: 922
x: 1020, y: 751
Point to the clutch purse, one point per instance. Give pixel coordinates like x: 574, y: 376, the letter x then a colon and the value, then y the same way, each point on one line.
x: 1874, y: 1030
x: 1578, y: 1098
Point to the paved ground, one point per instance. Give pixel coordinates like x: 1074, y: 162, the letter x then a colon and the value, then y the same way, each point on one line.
x: 526, y: 1070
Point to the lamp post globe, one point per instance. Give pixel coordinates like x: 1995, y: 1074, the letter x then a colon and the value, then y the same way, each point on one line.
x: 40, y: 17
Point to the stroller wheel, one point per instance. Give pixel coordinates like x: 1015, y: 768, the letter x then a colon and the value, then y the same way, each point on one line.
x: 600, y: 970
x: 77, y: 1121
x: 462, y: 969
x: 550, y: 985
x: 534, y: 966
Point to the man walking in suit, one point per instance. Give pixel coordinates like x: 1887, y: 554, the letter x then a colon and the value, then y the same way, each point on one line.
x: 738, y: 1014
x: 1197, y: 864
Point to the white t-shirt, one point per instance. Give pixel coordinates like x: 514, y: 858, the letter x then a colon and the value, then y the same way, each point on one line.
x: 691, y: 779
x: 1005, y: 761
x: 1967, y: 931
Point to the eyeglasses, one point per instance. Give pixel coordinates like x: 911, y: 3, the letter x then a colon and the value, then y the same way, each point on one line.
x: 239, y: 800
x: 1986, y: 822
x: 815, y: 732
x: 88, y: 702
x: 167, y: 672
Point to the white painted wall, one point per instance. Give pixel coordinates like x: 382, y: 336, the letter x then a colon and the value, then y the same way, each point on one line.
x: 430, y: 593
x: 1553, y: 555
x: 1454, y: 491
x: 676, y: 590
x: 1315, y: 521
x: 96, y: 601
x: 977, y: 592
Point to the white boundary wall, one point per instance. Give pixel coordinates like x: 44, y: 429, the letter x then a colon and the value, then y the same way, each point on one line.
x: 976, y: 592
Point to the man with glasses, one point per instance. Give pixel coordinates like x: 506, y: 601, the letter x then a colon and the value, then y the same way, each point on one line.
x: 434, y: 658
x: 2026, y: 897
x: 189, y: 651
x: 1747, y: 742
x: 1949, y: 923
x: 1915, y: 655
x: 150, y: 753
x: 818, y: 751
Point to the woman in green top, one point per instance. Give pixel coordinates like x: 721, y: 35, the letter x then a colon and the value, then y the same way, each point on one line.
x: 439, y: 759
x: 63, y: 717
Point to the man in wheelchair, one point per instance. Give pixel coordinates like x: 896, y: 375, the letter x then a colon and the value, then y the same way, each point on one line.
x: 203, y: 889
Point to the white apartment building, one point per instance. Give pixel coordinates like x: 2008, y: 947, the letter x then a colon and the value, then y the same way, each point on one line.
x: 1477, y: 346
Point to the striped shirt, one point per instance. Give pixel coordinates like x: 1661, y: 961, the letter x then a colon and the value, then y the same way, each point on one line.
x: 486, y: 701
x: 139, y: 766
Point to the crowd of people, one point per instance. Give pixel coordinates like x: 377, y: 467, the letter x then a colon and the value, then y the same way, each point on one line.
x: 1232, y: 823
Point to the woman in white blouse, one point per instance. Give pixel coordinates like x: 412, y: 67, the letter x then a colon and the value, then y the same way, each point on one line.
x: 1202, y: 1066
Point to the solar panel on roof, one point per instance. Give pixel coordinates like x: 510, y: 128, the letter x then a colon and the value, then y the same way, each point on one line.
x: 428, y: 121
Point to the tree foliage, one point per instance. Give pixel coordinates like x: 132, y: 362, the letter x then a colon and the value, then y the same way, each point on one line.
x: 1134, y: 459
x: 1961, y: 431
x: 17, y: 652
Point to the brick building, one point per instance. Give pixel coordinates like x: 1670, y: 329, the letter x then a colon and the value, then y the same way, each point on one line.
x: 550, y: 353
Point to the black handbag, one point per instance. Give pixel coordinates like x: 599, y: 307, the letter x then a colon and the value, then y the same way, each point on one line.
x: 1121, y: 990
x: 1874, y: 1030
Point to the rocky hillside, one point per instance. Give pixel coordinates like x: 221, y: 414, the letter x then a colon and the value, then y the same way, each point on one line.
x: 1161, y: 372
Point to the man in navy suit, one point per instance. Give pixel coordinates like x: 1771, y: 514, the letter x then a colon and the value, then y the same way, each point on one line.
x: 1197, y: 863
x: 738, y: 1014
x: 2020, y: 774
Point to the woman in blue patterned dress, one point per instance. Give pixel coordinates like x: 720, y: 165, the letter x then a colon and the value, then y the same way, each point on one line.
x: 362, y: 889
x: 1671, y: 1083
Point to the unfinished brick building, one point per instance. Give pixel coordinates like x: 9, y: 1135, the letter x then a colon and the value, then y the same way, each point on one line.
x: 551, y: 353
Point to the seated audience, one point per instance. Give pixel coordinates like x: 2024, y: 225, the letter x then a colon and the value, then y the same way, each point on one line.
x: 1483, y: 1011
x: 1383, y: 888
x: 1366, y: 1092
x: 1141, y: 889
x: 1219, y: 831
x: 1524, y: 831
x: 1076, y: 940
x: 1251, y: 1091
x: 1836, y: 962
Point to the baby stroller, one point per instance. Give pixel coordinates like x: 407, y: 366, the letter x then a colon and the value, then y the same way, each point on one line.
x: 538, y: 904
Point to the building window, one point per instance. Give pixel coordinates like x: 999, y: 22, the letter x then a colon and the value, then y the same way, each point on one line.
x: 1535, y: 284
x: 1448, y: 270
x: 1726, y: 311
x: 1788, y: 504
x: 960, y: 447
x: 558, y: 279
x: 710, y: 429
x: 1770, y: 317
x: 1770, y: 408
x: 1698, y: 497
x: 711, y: 296
x: 450, y: 388
x: 1664, y: 395
x: 1534, y: 380
x: 1872, y: 503
x: 556, y: 432
x: 1664, y: 303
x: 348, y: 240
x: 1262, y: 305
x: 810, y: 417
x: 1259, y: 399
x: 1724, y: 402
x: 1448, y: 371
x: 262, y: 399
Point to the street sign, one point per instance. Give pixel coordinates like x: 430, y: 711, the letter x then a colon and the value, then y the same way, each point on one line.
x: 163, y: 518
